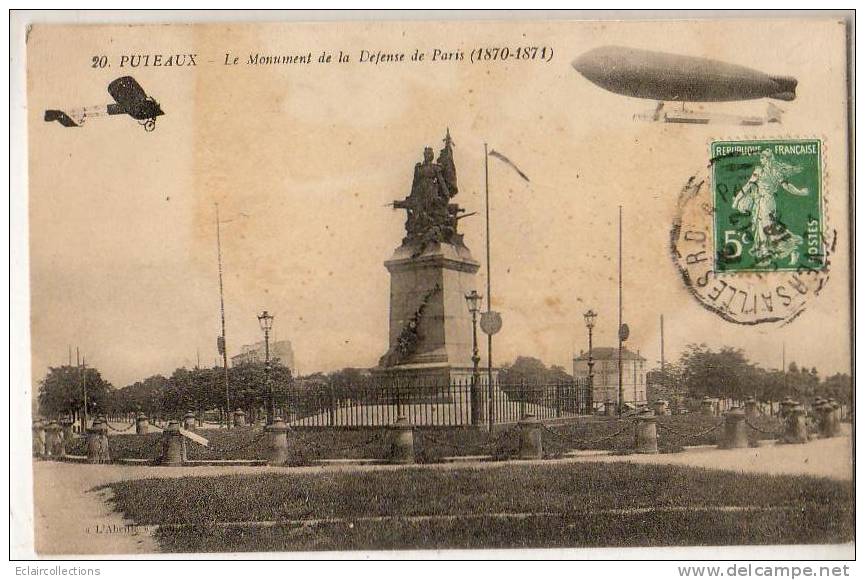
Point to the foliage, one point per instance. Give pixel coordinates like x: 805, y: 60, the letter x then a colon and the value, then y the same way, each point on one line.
x: 61, y: 392
x: 569, y: 506
x: 727, y: 373
x: 530, y: 371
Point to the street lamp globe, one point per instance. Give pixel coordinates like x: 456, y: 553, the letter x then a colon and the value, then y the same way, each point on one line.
x: 590, y: 318
x: 473, y: 299
x: 266, y: 321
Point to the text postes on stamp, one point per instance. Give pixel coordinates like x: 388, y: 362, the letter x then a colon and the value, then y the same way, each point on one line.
x: 749, y: 237
x: 767, y: 210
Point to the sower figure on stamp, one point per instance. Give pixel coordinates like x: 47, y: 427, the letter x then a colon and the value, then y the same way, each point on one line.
x: 772, y: 240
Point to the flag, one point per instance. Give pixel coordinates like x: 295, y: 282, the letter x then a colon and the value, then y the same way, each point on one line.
x: 498, y: 155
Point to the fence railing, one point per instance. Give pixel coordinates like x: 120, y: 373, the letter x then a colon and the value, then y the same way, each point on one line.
x: 431, y: 403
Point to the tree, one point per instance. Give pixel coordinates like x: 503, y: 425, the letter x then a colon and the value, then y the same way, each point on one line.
x: 61, y: 392
x: 249, y: 386
x: 349, y: 383
x: 529, y: 379
x: 725, y: 373
x: 525, y: 369
x: 839, y: 387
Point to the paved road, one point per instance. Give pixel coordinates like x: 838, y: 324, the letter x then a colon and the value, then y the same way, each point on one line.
x: 71, y: 518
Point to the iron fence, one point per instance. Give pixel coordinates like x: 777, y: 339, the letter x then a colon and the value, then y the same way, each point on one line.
x: 430, y: 403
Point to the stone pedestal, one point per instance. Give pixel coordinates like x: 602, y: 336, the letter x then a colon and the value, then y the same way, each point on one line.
x: 735, y: 430
x: 66, y: 428
x: 189, y: 421
x: 751, y: 411
x: 54, y: 446
x: 38, y: 438
x: 142, y: 424
x: 277, y: 442
x: 661, y: 407
x: 646, y: 433
x: 97, y: 442
x: 796, y: 427
x: 173, y: 445
x: 401, y: 442
x: 430, y: 324
x: 531, y: 442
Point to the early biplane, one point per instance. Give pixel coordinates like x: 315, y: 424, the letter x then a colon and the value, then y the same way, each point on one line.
x: 130, y: 99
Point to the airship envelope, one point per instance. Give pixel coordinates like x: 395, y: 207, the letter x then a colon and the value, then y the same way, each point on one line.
x: 671, y: 77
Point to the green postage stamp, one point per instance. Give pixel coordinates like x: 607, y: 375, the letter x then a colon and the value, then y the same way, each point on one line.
x: 767, y: 205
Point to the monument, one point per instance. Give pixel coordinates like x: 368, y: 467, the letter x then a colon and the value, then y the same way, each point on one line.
x: 430, y: 274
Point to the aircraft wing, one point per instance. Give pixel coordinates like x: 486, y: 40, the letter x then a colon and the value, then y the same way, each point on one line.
x: 126, y: 91
x: 54, y: 115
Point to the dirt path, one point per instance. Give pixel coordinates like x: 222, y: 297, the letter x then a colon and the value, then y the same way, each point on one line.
x: 72, y: 519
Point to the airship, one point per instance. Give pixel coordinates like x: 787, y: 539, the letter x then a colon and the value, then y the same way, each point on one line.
x: 129, y: 99
x: 666, y: 77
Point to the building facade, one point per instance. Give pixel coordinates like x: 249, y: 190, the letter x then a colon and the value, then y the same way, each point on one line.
x: 280, y: 350
x: 606, y: 371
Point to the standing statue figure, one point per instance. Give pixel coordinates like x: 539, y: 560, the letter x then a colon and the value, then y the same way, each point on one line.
x: 430, y: 215
x: 772, y: 240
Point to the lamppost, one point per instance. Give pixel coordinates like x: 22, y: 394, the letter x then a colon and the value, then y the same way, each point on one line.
x: 590, y: 324
x: 473, y: 299
x: 265, y: 320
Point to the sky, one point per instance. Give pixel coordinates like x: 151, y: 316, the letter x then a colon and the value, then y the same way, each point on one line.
x: 303, y: 160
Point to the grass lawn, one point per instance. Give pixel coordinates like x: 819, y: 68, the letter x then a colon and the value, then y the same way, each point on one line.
x: 431, y: 444
x: 562, y: 505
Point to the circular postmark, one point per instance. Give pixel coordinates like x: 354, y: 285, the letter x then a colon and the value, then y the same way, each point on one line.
x: 749, y: 237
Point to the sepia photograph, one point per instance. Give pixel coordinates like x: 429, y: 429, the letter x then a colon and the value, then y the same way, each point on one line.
x: 389, y: 285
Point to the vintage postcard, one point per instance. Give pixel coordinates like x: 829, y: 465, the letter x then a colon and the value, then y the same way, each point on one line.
x: 377, y: 285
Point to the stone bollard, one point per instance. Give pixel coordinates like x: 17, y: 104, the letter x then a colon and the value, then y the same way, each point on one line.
x: 66, y: 430
x: 661, y: 407
x: 646, y: 433
x: 173, y: 445
x: 786, y: 407
x: 239, y: 418
x: 277, y: 444
x: 531, y: 442
x: 142, y: 424
x: 401, y: 442
x: 796, y: 426
x: 609, y: 408
x: 54, y: 440
x: 751, y: 411
x: 824, y: 419
x: 38, y: 438
x: 836, y: 416
x: 735, y: 430
x: 189, y: 421
x: 97, y: 442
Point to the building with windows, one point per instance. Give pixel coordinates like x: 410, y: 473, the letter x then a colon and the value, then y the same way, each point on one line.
x: 606, y: 383
x: 280, y: 350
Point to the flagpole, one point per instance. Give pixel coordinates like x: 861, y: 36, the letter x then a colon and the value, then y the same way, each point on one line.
x: 84, y: 387
x: 621, y: 386
x: 222, y: 318
x: 489, y: 290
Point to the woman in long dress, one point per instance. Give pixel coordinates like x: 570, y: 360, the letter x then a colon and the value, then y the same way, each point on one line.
x: 771, y: 239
